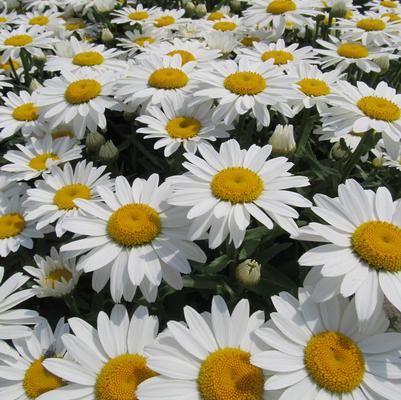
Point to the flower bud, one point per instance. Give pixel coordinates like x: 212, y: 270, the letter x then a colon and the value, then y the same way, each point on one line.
x: 107, y: 36
x: 34, y: 85
x: 282, y: 140
x: 108, y: 152
x: 378, y: 162
x: 39, y: 59
x: 339, y: 9
x: 190, y: 9
x: 337, y: 152
x: 235, y: 5
x: 94, y: 141
x: 384, y: 63
x: 200, y: 10
x: 248, y: 273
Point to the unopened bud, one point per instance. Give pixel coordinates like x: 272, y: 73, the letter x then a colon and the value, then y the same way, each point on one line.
x: 337, y: 152
x: 107, y: 36
x: 108, y: 152
x: 339, y: 9
x: 235, y: 5
x: 248, y: 273
x: 200, y: 10
x: 384, y: 63
x: 190, y: 8
x: 34, y: 85
x: 39, y: 60
x: 94, y: 141
x: 378, y: 162
x: 282, y: 140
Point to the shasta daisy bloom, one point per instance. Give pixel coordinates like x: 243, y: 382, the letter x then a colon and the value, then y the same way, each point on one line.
x: 155, y: 78
x: 208, y: 357
x: 50, y: 19
x: 23, y: 376
x: 167, y: 19
x: 38, y: 155
x: 218, y: 14
x: 245, y: 87
x: 107, y: 363
x: 223, y: 190
x: 31, y: 39
x: 232, y: 24
x: 54, y: 275
x: 135, y: 239
x: 12, y: 320
x: 15, y: 230
x: 52, y: 201
x: 389, y: 153
x: 80, y: 98
x: 20, y: 112
x: 7, y: 19
x: 6, y: 68
x: 82, y: 28
x: 75, y: 55
x: 176, y: 123
x: 319, y: 351
x: 362, y: 108
x: 385, y: 6
x: 133, y: 15
x: 138, y: 40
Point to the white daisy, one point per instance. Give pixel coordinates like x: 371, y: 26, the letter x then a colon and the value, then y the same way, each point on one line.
x: 176, y: 123
x: 385, y: 6
x: 389, y: 152
x: 133, y: 15
x: 138, y: 40
x: 52, y: 201
x: 55, y: 275
x: 218, y: 14
x: 135, y: 239
x: 80, y: 98
x: 234, y: 24
x: 107, y: 363
x: 319, y: 351
x: 7, y: 67
x: 23, y: 376
x: 7, y: 19
x: 49, y: 19
x: 167, y: 19
x: 83, y: 28
x: 225, y: 189
x: 38, y: 155
x: 351, y: 138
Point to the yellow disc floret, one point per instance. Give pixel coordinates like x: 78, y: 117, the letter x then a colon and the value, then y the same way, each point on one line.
x: 378, y: 243
x: 144, y: 39
x: 26, y: 112
x: 215, y: 16
x: 186, y: 56
x: 352, y: 50
x: 73, y: 26
x: 249, y: 40
x: 11, y: 225
x: 134, y: 225
x: 168, y: 78
x: 237, y: 185
x: 392, y: 17
x: 88, y: 59
x: 389, y: 4
x: 371, y: 24
x: 138, y: 15
x: 280, y: 57
x: 9, y: 65
x: 164, y: 20
x: 3, y: 19
x: 379, y: 108
x: 120, y: 377
x: 313, y: 87
x: 40, y: 20
x: 38, y: 380
x: 18, y: 40
x: 183, y: 127
x: 242, y: 83
x: 39, y: 162
x: 58, y: 275
x: 65, y: 196
x: 278, y: 7
x: 224, y: 26
x: 82, y: 91
x: 62, y: 134
x: 334, y: 362
x: 227, y: 374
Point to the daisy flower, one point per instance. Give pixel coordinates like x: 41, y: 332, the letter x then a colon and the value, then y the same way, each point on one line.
x: 23, y: 375
x: 7, y: 19
x: 6, y: 68
x: 75, y: 55
x: 50, y: 19
x: 52, y: 201
x: 80, y: 98
x: 79, y: 26
x: 360, y: 108
x: 15, y: 230
x: 385, y: 6
x: 232, y: 24
x: 38, y: 155
x: 13, y: 320
x: 176, y: 123
x: 139, y: 40
x: 155, y: 78
x: 133, y: 15
x: 31, y: 39
x: 135, y: 239
x: 107, y: 363
x: 167, y: 19
x: 245, y: 87
x: 223, y: 190
x: 207, y: 357
x: 362, y: 255
x: 342, y: 54
x: 319, y: 351
x: 55, y: 275
x: 389, y: 153
x: 282, y: 55
x: 351, y: 138
x: 20, y: 112
x: 218, y: 14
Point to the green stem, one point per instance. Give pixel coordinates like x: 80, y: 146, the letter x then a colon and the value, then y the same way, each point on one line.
x: 72, y: 305
x: 26, y: 65
x: 14, y: 72
x: 306, y: 129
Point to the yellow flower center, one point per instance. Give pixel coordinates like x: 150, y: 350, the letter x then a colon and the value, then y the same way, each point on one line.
x: 334, y: 362
x: 389, y: 4
x: 168, y: 78
x: 243, y: 83
x: 7, y: 66
x: 352, y: 50
x: 280, y: 57
x: 215, y: 16
x: 313, y: 87
x: 183, y: 127
x: 82, y: 91
x: 277, y: 7
x: 392, y: 17
x: 144, y: 39
x: 237, y: 185
x: 64, y: 197
x: 371, y: 24
x: 379, y: 108
x: 249, y: 40
x: 134, y: 225
x: 3, y: 19
x: 11, y: 225
x: 26, y: 112
x: 186, y: 56
x: 57, y: 276
x: 38, y: 380
x: 39, y: 20
x: 224, y: 26
x: 138, y: 15
x: 75, y: 25
x: 88, y: 59
x: 62, y: 134
x: 227, y: 374
x: 349, y: 14
x: 164, y: 20
x: 378, y: 243
x: 18, y: 40
x: 39, y: 162
x: 120, y: 377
